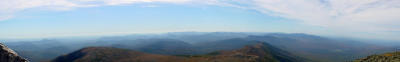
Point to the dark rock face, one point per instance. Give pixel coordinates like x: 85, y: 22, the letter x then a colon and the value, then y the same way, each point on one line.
x: 8, y: 55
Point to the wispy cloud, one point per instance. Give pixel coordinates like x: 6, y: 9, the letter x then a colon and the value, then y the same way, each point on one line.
x: 372, y: 16
x: 5, y: 17
x: 9, y: 7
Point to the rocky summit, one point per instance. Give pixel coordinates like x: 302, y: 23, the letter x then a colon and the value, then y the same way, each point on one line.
x: 387, y: 57
x: 8, y: 55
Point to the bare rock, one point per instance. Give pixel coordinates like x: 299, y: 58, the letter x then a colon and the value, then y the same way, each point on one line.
x: 8, y: 55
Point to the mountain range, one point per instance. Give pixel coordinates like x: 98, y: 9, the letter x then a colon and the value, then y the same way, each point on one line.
x: 260, y: 52
x: 315, y: 48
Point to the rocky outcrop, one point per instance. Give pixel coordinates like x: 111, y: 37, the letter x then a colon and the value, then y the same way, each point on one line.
x: 8, y: 55
x: 387, y: 57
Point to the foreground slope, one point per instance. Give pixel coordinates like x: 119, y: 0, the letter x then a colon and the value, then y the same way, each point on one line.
x: 387, y: 57
x: 8, y: 55
x: 107, y: 54
x: 260, y: 52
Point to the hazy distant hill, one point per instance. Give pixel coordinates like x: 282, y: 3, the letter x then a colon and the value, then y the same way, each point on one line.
x: 260, y: 52
x: 42, y: 50
x: 387, y: 57
x: 190, y: 37
x: 227, y: 44
x: 158, y: 46
x: 177, y: 47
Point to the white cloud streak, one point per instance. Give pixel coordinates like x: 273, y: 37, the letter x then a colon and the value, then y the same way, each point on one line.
x: 346, y: 16
x: 373, y: 16
x: 9, y: 7
x: 350, y: 14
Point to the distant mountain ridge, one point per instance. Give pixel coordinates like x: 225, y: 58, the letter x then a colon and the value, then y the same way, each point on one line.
x: 260, y: 52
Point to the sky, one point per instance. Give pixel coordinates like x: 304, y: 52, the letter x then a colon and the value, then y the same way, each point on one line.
x: 370, y: 19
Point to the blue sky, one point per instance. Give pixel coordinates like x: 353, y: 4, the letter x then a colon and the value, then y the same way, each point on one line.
x: 59, y: 18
